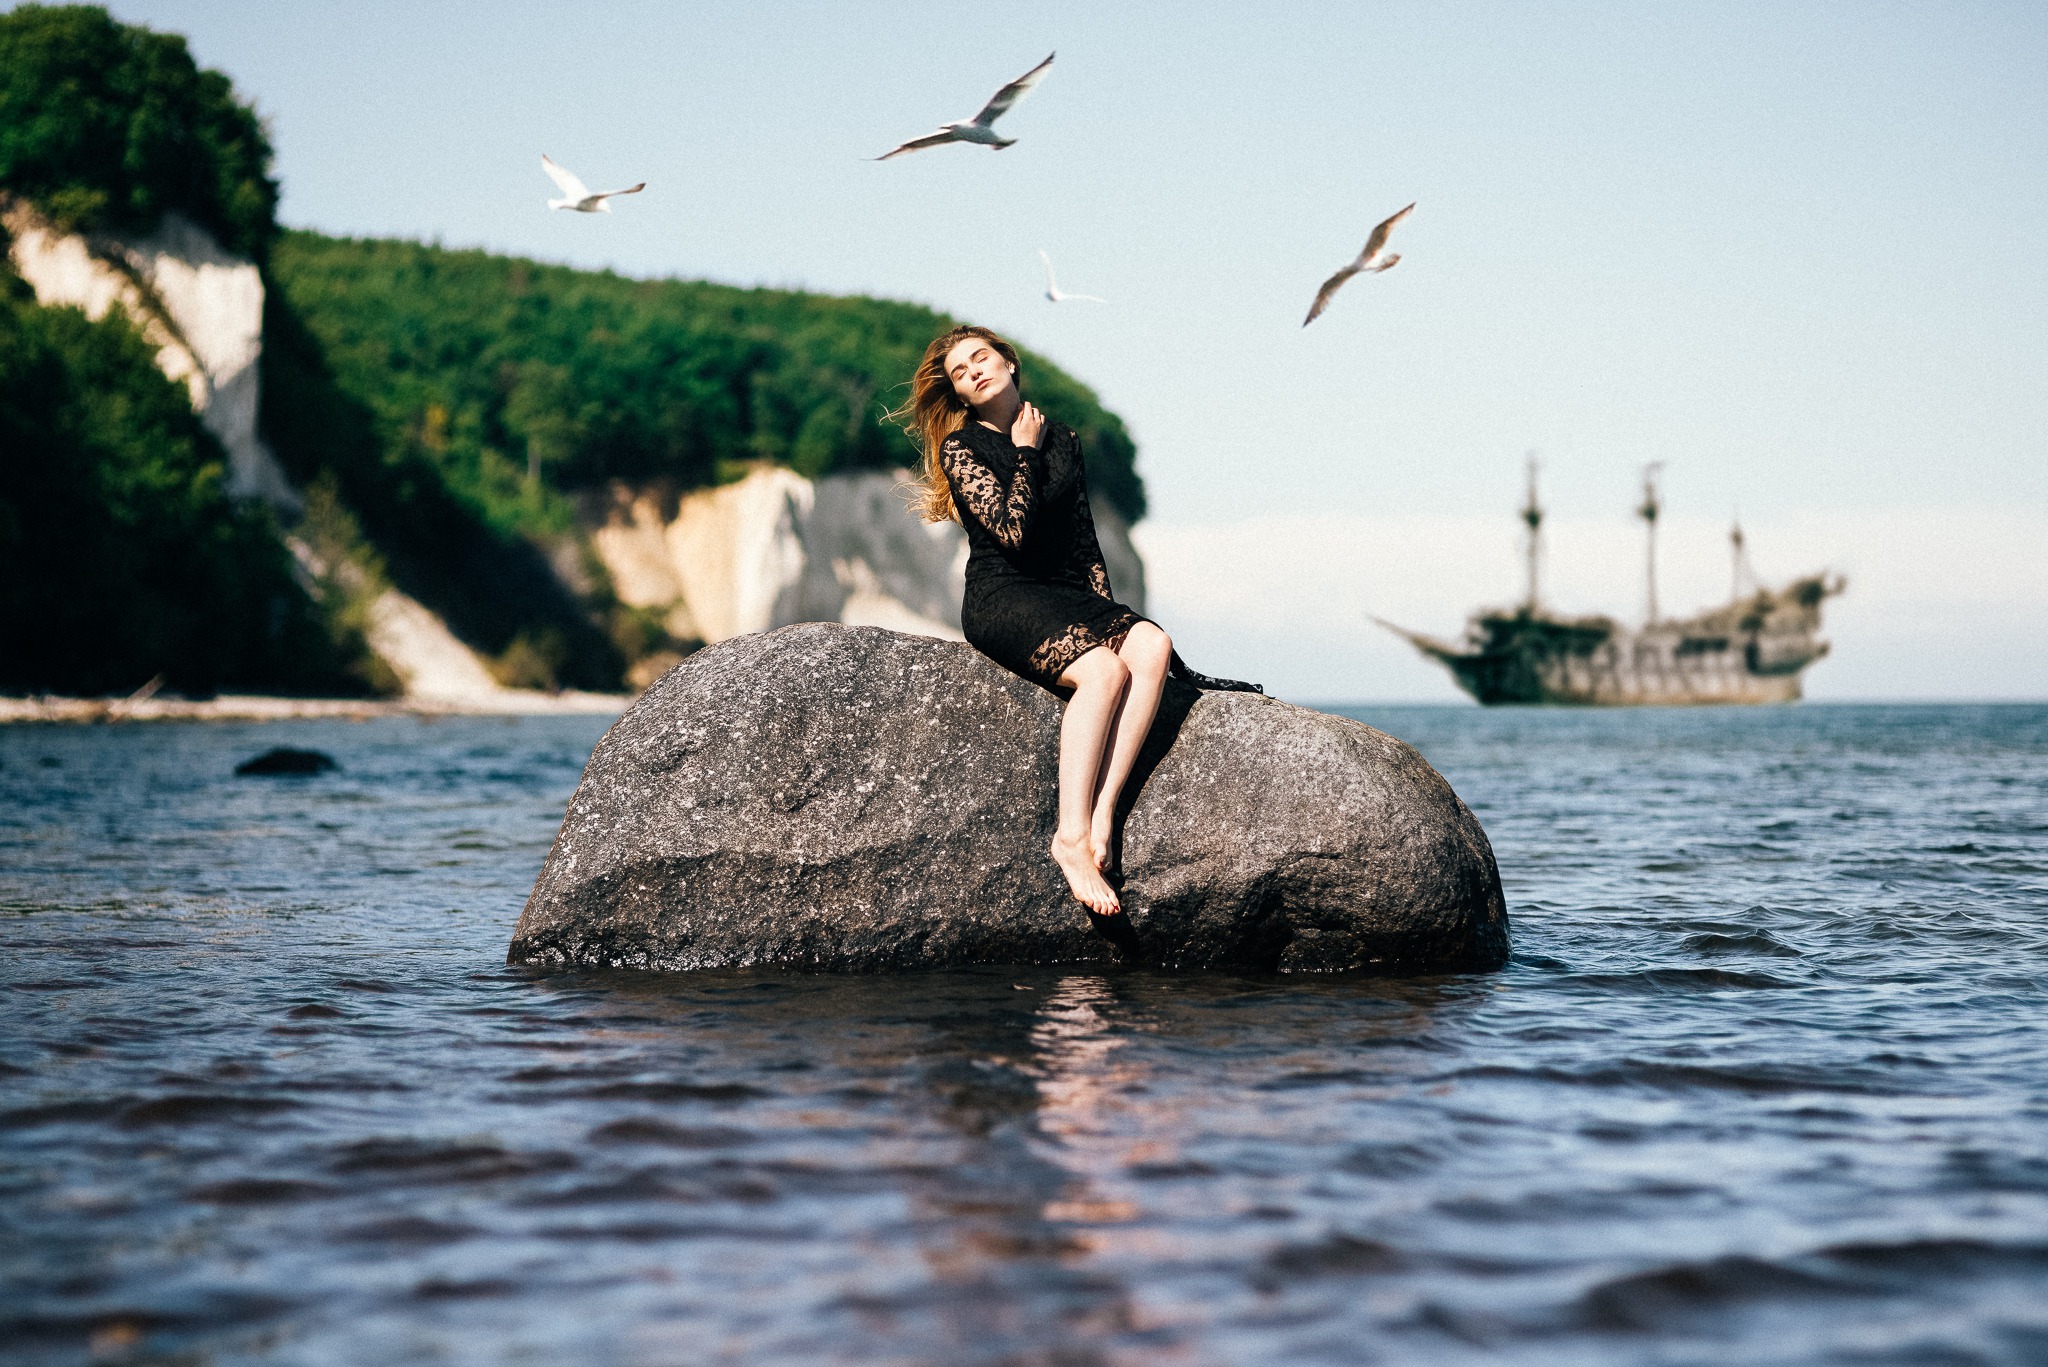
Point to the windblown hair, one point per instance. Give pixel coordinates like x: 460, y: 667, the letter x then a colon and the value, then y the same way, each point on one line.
x: 933, y: 412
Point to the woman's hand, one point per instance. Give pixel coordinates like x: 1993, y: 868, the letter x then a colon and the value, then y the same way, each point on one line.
x: 1027, y: 427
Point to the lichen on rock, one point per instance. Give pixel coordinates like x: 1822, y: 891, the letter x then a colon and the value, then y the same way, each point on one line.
x: 850, y: 798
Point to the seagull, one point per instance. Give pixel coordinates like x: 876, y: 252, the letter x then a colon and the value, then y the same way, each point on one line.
x: 980, y: 128
x: 1368, y: 260
x: 1057, y: 295
x: 576, y: 195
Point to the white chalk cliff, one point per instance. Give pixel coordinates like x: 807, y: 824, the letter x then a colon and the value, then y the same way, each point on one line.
x: 199, y: 306
x: 775, y: 548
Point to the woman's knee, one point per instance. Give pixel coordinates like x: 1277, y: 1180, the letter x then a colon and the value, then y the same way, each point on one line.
x: 1099, y: 668
x: 1147, y: 650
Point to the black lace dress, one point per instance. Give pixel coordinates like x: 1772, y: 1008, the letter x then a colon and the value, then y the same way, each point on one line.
x: 1038, y: 595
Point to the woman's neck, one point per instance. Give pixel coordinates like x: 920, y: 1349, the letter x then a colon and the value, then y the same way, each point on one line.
x: 1000, y: 411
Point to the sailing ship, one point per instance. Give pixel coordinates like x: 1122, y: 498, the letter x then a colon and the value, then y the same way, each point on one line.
x: 1751, y: 649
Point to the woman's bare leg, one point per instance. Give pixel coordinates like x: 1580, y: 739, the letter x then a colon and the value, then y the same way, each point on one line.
x: 1147, y: 652
x: 1099, y: 680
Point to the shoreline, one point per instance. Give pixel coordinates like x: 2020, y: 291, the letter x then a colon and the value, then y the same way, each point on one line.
x: 508, y: 702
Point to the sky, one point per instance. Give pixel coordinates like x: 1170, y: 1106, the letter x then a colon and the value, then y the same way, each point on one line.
x: 1796, y: 252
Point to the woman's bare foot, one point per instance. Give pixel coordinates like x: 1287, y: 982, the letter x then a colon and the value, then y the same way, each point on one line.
x: 1076, y: 859
x: 1099, y: 846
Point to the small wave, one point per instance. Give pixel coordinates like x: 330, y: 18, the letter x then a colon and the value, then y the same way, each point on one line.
x: 802, y: 1179
x: 1334, y: 1255
x: 425, y: 1161
x: 184, y: 1312
x: 1912, y: 1260
x: 1545, y: 1207
x: 661, y: 1231
x: 633, y: 1188
x: 57, y: 1113
x: 673, y: 1091
x: 1478, y: 1329
x: 1748, y: 942
x: 549, y: 1072
x: 199, y: 1109
x: 1288, y: 1082
x: 406, y: 1231
x: 1983, y: 1170
x: 647, y: 1130
x: 1675, y: 1296
x: 261, y: 1191
x: 1389, y: 1160
x: 351, y: 1082
x: 1755, y: 1080
x: 437, y: 1289
x: 1654, y: 980
x: 364, y: 984
x: 1168, y: 1172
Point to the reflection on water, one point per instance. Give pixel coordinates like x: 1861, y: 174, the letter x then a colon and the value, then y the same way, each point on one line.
x: 1763, y: 1083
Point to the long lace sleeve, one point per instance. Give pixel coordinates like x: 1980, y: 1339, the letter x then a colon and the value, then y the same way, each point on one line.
x: 1005, y: 508
x: 1087, y: 550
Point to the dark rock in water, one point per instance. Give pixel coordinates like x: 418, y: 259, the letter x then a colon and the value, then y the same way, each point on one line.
x: 285, y: 760
x: 837, y: 797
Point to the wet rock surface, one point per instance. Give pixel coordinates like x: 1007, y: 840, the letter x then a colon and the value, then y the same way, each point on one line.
x: 849, y: 798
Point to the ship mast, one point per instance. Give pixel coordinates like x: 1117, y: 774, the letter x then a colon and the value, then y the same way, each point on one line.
x: 1532, y: 518
x: 1740, y: 575
x: 1652, y: 505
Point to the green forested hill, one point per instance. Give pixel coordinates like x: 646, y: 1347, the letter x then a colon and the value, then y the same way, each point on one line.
x: 497, y: 369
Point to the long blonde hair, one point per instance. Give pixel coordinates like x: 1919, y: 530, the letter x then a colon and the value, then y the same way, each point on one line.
x: 933, y: 412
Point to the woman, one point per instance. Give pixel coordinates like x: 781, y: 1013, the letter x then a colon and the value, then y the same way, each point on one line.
x: 1038, y: 598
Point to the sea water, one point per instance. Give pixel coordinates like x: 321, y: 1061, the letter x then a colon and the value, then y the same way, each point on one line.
x: 1765, y: 1082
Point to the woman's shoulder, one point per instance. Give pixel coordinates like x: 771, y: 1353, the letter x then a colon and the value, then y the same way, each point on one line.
x: 970, y: 435
x: 984, y: 440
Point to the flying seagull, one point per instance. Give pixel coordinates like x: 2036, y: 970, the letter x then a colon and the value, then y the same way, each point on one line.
x: 980, y: 128
x: 1368, y: 260
x: 576, y: 195
x: 1055, y: 293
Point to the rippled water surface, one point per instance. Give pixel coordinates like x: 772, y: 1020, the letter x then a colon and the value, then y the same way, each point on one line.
x: 1767, y: 1081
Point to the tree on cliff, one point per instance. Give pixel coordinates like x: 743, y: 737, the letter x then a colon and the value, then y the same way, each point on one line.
x: 108, y: 125
x: 121, y: 557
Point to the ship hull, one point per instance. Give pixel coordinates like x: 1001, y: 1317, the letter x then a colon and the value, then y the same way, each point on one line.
x: 1624, y: 674
x: 1749, y: 652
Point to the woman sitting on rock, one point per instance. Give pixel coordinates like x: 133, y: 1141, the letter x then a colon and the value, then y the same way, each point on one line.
x: 1038, y: 598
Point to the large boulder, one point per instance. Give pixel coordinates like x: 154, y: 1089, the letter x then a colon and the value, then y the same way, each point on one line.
x: 832, y: 797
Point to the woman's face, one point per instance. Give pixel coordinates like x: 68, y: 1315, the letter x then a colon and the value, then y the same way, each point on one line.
x: 978, y: 371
